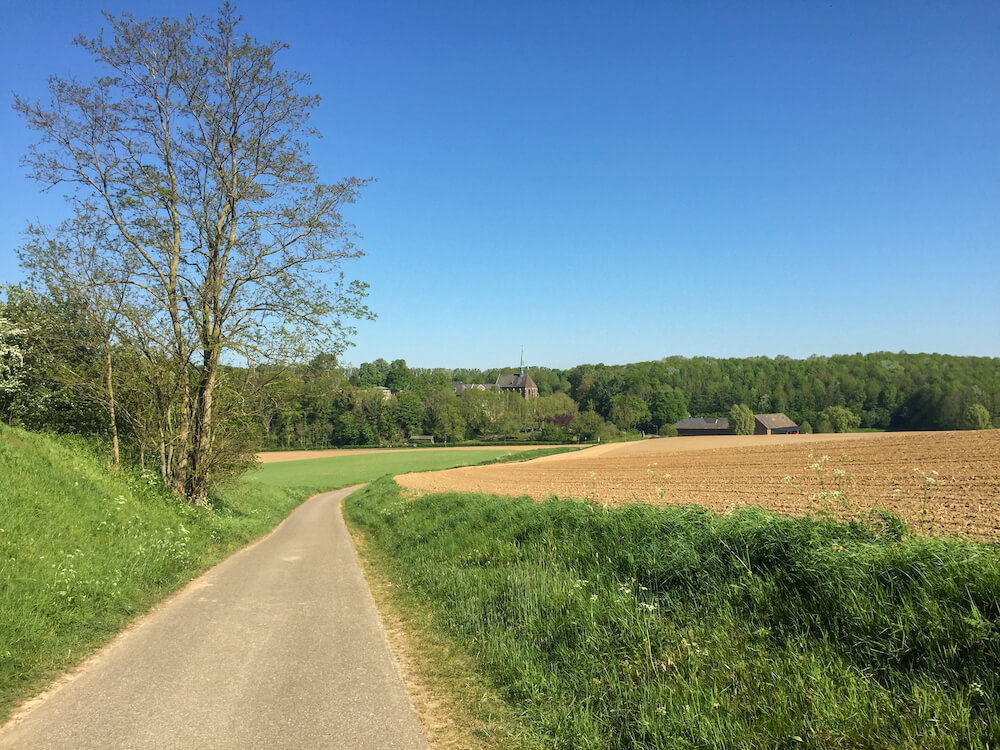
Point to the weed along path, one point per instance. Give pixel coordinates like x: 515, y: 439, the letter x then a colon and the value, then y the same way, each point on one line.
x: 278, y: 646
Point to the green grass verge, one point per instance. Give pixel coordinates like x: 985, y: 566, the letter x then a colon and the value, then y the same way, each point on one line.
x: 678, y: 628
x: 334, y: 472
x: 83, y: 551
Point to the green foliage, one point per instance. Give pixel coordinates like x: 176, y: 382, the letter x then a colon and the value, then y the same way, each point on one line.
x: 83, y: 550
x: 628, y: 411
x: 448, y: 423
x: 668, y: 407
x: 839, y: 419
x: 975, y: 417
x: 49, y: 352
x: 805, y: 428
x: 676, y: 627
x: 741, y: 421
x: 551, y: 433
x: 587, y: 425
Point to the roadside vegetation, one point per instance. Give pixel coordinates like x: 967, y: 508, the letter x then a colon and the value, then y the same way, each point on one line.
x: 680, y: 628
x: 84, y: 550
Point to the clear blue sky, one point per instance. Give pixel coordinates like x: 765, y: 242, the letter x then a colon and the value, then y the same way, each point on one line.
x: 622, y: 181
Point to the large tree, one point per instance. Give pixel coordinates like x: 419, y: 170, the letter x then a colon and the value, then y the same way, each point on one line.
x: 741, y: 420
x: 190, y: 154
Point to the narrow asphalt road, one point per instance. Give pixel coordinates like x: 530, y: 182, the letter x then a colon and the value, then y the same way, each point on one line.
x: 280, y: 646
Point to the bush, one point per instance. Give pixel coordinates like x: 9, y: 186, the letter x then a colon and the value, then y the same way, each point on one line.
x: 588, y: 425
x: 551, y: 433
x: 840, y: 419
x: 976, y: 417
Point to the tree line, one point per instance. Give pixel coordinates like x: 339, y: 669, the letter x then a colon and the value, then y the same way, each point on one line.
x: 54, y: 375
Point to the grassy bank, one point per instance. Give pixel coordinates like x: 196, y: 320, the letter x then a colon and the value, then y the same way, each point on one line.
x: 83, y: 551
x: 677, y: 628
x: 342, y: 471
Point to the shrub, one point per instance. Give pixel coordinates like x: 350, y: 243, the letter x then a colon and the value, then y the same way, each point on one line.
x: 840, y: 419
x: 976, y: 417
x: 741, y: 420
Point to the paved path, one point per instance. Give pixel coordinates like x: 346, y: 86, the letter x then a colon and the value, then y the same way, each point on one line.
x: 279, y: 646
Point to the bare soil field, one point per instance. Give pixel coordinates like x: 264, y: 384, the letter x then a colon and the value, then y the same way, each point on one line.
x: 940, y: 482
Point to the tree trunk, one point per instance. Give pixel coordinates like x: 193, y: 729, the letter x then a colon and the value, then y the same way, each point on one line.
x: 201, y: 444
x: 111, y: 405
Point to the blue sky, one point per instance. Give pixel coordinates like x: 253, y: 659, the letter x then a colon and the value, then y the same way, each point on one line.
x: 616, y: 182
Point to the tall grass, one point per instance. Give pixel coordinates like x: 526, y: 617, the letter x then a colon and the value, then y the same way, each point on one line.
x: 84, y: 550
x: 679, y: 628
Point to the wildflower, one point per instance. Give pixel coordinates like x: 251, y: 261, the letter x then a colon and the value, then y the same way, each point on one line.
x: 838, y: 473
x: 815, y: 467
x: 787, y: 480
x: 593, y: 597
x: 649, y: 607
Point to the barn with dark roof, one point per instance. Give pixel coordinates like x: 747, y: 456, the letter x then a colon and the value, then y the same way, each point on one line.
x: 774, y: 424
x: 703, y: 426
x: 763, y: 424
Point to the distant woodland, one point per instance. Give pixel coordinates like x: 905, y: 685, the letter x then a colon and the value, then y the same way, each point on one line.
x: 54, y: 376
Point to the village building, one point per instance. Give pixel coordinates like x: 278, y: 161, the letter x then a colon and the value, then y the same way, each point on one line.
x: 703, y: 426
x: 774, y: 424
x: 459, y: 387
x: 764, y: 424
x: 521, y: 384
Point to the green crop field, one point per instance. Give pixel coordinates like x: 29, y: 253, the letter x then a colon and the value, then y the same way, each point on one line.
x: 343, y: 471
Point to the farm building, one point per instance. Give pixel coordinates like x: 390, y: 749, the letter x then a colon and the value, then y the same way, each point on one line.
x: 774, y: 424
x: 459, y: 387
x: 764, y: 424
x: 703, y: 426
x: 521, y: 384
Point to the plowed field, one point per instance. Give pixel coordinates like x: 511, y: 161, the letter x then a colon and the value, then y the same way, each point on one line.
x: 940, y: 482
